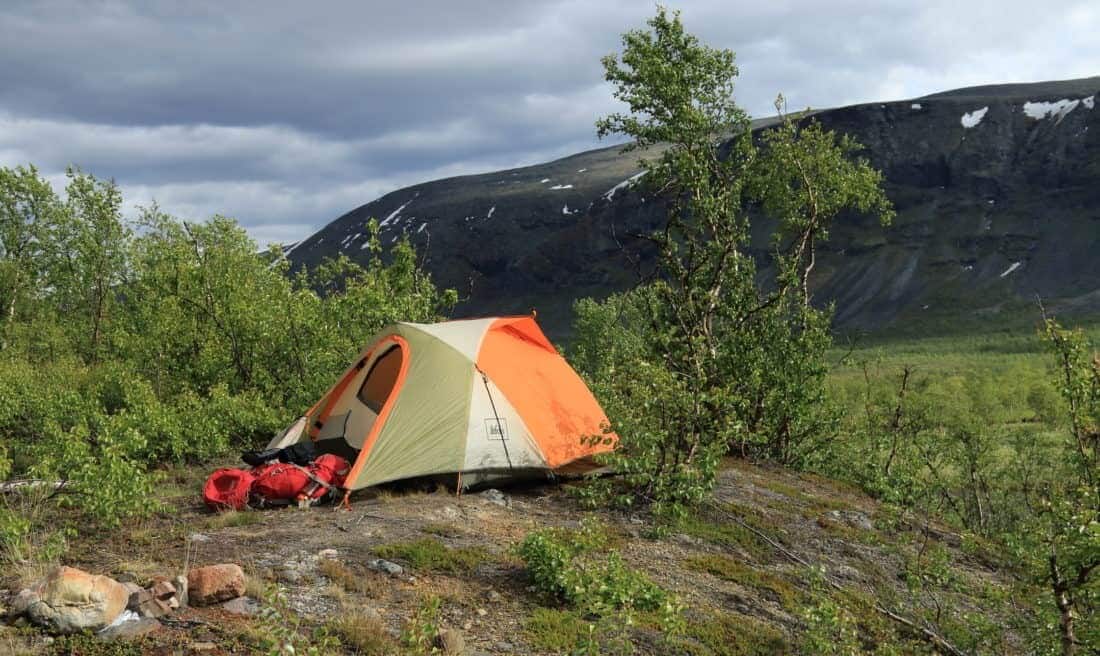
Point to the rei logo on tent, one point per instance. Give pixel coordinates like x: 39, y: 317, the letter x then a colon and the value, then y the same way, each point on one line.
x: 496, y: 428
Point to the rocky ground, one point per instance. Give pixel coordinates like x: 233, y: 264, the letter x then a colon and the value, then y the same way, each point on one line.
x: 743, y: 567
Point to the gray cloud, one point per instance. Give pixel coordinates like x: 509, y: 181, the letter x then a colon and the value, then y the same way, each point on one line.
x: 286, y: 115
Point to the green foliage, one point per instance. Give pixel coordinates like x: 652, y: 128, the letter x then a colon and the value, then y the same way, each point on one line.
x: 769, y: 585
x: 429, y: 554
x: 830, y: 628
x: 124, y: 348
x: 730, y: 634
x: 554, y: 630
x: 703, y: 359
x: 575, y: 567
x: 283, y: 632
x: 418, y: 635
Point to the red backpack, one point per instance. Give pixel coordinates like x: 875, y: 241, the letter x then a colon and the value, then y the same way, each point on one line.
x: 227, y: 488
x: 280, y: 483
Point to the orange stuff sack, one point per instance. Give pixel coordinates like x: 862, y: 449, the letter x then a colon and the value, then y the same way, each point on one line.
x: 228, y: 489
x: 331, y: 469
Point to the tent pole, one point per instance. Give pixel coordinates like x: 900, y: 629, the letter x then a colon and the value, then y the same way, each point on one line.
x: 458, y: 485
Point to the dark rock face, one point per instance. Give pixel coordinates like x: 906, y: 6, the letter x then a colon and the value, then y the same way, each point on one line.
x: 997, y: 190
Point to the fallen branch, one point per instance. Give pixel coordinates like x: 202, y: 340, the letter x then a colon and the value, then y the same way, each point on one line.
x: 925, y: 633
x: 29, y: 484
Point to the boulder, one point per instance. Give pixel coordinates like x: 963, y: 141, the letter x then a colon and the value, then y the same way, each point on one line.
x: 214, y: 583
x: 70, y: 600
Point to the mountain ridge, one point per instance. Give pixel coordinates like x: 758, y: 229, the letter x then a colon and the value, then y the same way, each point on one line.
x: 995, y: 188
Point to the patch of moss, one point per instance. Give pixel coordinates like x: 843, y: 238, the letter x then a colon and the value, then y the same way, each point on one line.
x: 776, y: 587
x: 725, y: 534
x: 89, y: 645
x: 553, y: 630
x: 442, y: 530
x: 848, y: 532
x: 429, y: 554
x: 234, y: 518
x: 729, y: 634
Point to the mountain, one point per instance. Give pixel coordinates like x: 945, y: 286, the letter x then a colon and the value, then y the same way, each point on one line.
x: 997, y: 190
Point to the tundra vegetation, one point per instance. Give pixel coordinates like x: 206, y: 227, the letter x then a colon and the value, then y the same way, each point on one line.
x: 130, y: 345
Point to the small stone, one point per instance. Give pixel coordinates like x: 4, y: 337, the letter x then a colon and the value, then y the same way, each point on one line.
x: 495, y: 496
x: 467, y: 625
x: 481, y: 612
x: 291, y: 576
x: 393, y: 569
x: 180, y: 582
x: 450, y: 641
x: 506, y: 647
x: 328, y: 554
x: 203, y: 646
x: 215, y: 583
x: 163, y: 590
x: 130, y: 629
x: 198, y: 537
x: 449, y: 512
x: 21, y: 602
x: 495, y: 596
x: 853, y: 518
x: 242, y: 606
x: 145, y: 604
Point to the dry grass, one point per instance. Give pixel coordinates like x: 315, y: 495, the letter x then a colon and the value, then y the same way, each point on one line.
x: 344, y: 577
x: 364, y: 632
x: 234, y: 518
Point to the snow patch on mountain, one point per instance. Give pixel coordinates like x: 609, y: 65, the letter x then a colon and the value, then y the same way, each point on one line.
x: 394, y: 215
x: 972, y: 119
x: 629, y: 182
x: 1058, y: 109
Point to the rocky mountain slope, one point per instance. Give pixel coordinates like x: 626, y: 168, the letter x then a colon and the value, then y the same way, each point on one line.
x: 997, y: 190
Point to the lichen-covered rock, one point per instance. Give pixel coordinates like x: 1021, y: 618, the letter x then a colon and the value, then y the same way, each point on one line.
x: 214, y: 584
x: 70, y: 600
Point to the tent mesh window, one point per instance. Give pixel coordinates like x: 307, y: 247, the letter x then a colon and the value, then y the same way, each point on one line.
x: 381, y: 379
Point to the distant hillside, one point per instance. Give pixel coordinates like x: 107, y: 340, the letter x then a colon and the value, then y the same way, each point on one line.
x: 997, y: 190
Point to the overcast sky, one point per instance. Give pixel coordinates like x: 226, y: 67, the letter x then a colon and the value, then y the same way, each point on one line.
x: 287, y: 115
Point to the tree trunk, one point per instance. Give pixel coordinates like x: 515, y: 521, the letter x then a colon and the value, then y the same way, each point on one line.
x: 1062, y: 600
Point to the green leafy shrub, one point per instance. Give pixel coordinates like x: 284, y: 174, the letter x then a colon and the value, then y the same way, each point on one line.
x: 419, y: 632
x: 574, y: 566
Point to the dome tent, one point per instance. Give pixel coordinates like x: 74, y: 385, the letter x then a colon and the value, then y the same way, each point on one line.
x: 481, y: 399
